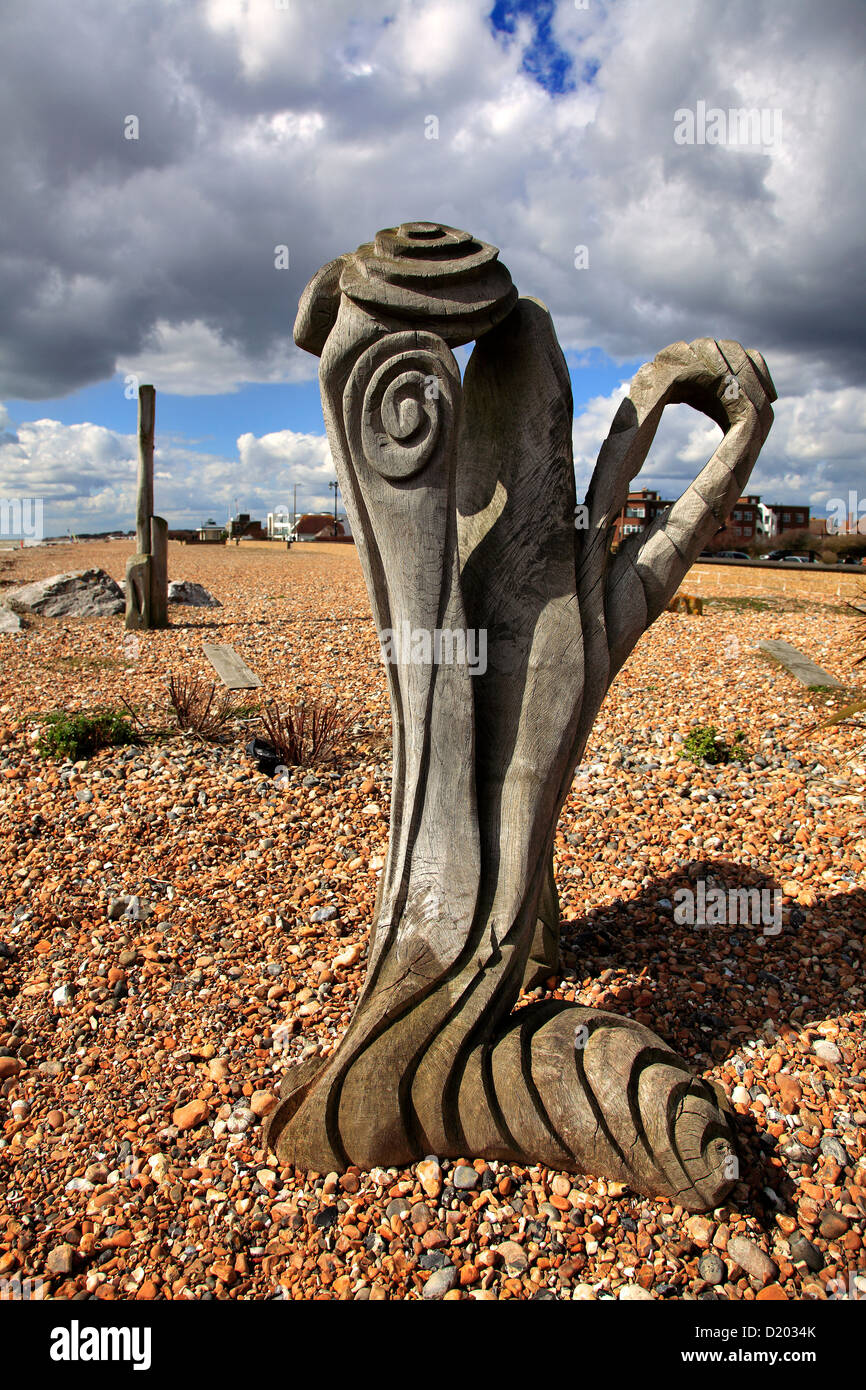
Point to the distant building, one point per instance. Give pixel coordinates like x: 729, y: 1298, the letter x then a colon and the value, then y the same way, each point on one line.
x: 210, y: 531
x: 314, y: 526
x: 280, y: 525
x: 746, y: 522
x: 242, y: 527
x: 640, y: 511
x: 791, y: 517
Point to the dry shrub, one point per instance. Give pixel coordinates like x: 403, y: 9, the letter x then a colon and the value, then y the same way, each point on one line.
x: 304, y: 732
x: 199, y: 708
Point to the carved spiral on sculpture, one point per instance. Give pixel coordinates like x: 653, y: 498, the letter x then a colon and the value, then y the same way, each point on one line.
x: 669, y: 1136
x: 420, y: 272
x: 399, y: 403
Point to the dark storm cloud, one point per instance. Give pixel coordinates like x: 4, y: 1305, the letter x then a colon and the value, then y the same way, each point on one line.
x: 261, y: 127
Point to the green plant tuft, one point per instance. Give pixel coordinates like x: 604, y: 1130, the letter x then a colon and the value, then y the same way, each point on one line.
x: 703, y: 744
x: 78, y: 736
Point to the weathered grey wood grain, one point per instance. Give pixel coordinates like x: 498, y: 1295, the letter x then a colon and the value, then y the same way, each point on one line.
x: 147, y: 571
x: 231, y: 668
x: 138, y: 593
x: 800, y: 666
x: 158, y: 572
x: 461, y: 498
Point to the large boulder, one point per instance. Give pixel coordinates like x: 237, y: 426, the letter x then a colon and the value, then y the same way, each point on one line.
x: 184, y: 591
x: 9, y: 621
x: 78, y: 594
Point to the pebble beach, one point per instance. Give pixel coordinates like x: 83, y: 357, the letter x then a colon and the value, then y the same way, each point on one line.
x: 177, y: 929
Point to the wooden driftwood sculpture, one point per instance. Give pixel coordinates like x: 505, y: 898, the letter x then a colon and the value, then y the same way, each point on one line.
x: 462, y: 501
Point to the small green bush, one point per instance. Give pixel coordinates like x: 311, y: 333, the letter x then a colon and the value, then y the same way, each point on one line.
x: 704, y: 744
x: 78, y: 736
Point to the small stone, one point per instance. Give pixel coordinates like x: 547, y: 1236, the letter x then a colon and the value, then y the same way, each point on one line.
x: 348, y: 958
x: 584, y: 1293
x: 191, y: 1115
x: 159, y: 1167
x: 826, y: 1050
x: 442, y: 1281
x: 464, y: 1178
x: 633, y: 1293
x: 60, y: 1260
x: 9, y: 1066
x: 789, y: 1088
x: 751, y: 1259
x: 804, y: 1252
x: 740, y: 1096
x: 116, y: 909
x: 711, y: 1268
x: 430, y: 1176
x: 832, y: 1225
x: 700, y: 1230
x: 263, y: 1102
x: 513, y: 1256
x: 324, y: 914
x: 831, y: 1148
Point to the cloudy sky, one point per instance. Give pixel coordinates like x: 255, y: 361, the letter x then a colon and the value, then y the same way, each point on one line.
x: 155, y: 153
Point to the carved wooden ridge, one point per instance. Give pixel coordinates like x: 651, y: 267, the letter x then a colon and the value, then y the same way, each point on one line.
x: 462, y: 501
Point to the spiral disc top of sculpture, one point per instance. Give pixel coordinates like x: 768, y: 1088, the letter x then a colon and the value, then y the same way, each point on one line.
x: 443, y: 279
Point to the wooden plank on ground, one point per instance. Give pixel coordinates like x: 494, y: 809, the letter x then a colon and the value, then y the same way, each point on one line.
x: 232, y: 670
x: 799, y: 665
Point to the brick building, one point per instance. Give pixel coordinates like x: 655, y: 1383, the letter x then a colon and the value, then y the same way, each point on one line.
x: 640, y: 511
x: 790, y: 517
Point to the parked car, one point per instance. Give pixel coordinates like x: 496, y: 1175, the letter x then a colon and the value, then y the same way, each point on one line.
x: 797, y: 557
x: 732, y: 555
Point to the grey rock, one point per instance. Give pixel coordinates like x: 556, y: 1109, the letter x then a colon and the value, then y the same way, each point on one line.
x: 513, y: 1256
x: 633, y: 1293
x: 440, y: 1282
x: 752, y: 1259
x: 76, y: 594
x: 465, y: 1178
x: 798, y: 1153
x: 826, y: 1050
x: 325, y: 914
x: 711, y: 1268
x: 185, y: 591
x: 833, y: 1149
x: 399, y: 1207
x: 9, y: 621
x: 116, y: 909
x: 804, y: 1252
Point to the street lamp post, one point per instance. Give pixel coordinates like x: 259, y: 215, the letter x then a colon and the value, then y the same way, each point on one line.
x: 336, y: 487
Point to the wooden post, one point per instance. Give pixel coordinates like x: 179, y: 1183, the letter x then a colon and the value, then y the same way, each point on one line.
x: 144, y: 511
x: 147, y: 570
x: 158, y: 572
